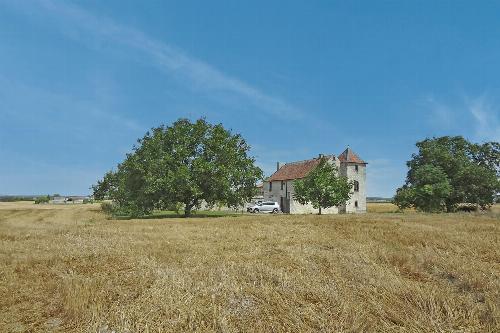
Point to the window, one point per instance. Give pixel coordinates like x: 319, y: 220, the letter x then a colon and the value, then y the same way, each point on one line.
x: 356, y: 204
x: 270, y: 186
x: 282, y: 185
x: 356, y: 168
x: 356, y: 186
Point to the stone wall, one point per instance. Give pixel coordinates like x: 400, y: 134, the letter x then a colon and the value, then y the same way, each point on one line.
x: 349, y: 170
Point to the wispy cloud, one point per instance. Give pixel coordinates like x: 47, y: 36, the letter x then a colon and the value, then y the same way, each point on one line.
x: 56, y: 110
x: 441, y: 114
x: 55, y: 142
x: 194, y: 72
x: 474, y: 117
x: 486, y: 118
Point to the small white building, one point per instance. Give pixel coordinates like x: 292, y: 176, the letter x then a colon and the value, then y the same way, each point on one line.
x: 279, y: 186
x: 69, y: 200
x: 58, y: 200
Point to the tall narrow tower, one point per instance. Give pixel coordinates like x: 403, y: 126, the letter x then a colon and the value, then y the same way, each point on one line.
x: 354, y: 168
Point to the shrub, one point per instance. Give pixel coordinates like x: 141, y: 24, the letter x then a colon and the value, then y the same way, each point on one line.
x: 176, y: 207
x: 107, y: 208
x: 114, y: 209
x: 467, y: 208
x: 42, y: 200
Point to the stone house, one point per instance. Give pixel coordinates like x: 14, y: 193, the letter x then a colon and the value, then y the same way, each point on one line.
x: 279, y: 186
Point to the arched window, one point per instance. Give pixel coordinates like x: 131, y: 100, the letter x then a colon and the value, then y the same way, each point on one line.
x: 356, y: 186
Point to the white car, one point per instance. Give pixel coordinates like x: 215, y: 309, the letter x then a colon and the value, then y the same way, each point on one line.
x: 264, y: 207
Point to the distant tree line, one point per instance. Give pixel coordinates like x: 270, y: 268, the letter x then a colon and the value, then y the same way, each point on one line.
x: 449, y: 171
x: 14, y: 198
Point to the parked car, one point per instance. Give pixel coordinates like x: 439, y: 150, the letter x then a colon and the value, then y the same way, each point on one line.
x: 264, y: 207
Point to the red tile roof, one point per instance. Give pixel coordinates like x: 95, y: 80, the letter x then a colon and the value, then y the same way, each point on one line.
x: 297, y: 170
x: 350, y: 157
x: 294, y: 170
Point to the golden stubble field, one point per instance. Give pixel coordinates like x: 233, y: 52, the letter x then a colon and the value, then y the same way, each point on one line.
x: 69, y: 269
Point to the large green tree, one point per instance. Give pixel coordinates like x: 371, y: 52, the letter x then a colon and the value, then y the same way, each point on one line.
x: 469, y: 170
x: 429, y: 192
x: 186, y: 163
x: 323, y: 187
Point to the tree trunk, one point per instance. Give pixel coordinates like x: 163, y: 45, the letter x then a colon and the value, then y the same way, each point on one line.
x: 187, y: 210
x: 189, y: 207
x: 319, y: 210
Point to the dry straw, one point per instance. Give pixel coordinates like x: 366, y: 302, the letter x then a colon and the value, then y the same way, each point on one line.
x: 69, y: 269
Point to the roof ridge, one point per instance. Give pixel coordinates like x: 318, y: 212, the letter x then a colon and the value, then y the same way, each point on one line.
x: 302, y: 161
x: 297, y: 169
x: 310, y: 159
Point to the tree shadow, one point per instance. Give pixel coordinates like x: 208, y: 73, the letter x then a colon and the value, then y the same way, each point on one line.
x: 174, y: 215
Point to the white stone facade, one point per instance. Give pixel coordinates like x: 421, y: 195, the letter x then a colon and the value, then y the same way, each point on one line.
x: 357, y: 202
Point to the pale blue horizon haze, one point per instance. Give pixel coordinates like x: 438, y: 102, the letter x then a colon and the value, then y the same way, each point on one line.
x: 81, y: 81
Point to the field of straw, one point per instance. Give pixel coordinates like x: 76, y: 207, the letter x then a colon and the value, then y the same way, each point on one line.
x: 69, y: 269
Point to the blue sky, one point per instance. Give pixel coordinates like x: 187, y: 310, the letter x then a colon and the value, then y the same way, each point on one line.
x: 80, y: 81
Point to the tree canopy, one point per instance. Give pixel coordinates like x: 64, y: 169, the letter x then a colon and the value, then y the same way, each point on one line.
x: 186, y: 163
x: 448, y: 171
x: 323, y: 187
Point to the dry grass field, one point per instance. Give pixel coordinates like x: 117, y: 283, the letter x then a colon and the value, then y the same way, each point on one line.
x: 381, y: 207
x: 69, y: 269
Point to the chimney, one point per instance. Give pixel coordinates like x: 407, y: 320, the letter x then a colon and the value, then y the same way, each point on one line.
x: 278, y: 166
